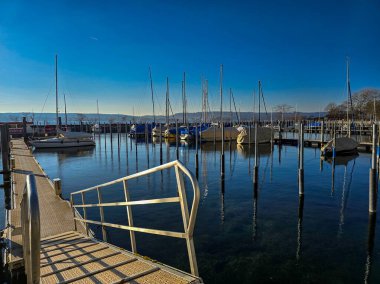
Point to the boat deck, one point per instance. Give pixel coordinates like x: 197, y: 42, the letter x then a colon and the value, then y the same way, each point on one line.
x: 69, y: 256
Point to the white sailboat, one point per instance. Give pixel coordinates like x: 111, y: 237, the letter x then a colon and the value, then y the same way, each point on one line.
x: 342, y: 145
x: 264, y: 134
x: 63, y: 139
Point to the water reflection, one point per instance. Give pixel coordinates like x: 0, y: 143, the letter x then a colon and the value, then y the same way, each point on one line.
x: 370, y: 246
x: 229, y: 209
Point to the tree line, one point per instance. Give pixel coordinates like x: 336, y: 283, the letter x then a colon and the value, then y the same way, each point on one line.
x: 365, y: 104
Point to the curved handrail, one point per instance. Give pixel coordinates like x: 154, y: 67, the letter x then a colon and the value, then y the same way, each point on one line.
x: 188, y: 219
x: 31, y: 235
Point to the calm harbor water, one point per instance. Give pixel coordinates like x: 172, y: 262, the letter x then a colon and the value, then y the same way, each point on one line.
x: 242, y: 235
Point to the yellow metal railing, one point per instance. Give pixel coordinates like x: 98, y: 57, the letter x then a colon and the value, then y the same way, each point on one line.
x: 188, y: 218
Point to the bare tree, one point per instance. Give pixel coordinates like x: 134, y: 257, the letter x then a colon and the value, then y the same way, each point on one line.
x: 283, y: 108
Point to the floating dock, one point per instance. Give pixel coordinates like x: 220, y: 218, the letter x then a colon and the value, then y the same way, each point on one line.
x: 67, y: 253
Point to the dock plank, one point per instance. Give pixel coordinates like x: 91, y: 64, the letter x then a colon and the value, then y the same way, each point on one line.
x: 69, y: 256
x: 55, y: 213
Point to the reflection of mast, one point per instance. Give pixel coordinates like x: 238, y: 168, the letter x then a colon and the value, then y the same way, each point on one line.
x: 222, y: 187
x: 271, y: 163
x: 299, y: 226
x: 371, y: 244
x: 204, y: 175
x: 333, y: 176
x: 345, y: 197
x: 254, y: 219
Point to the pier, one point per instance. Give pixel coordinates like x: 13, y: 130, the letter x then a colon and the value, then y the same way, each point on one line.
x: 63, y: 249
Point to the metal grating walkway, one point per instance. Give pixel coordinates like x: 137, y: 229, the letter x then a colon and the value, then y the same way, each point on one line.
x: 75, y: 258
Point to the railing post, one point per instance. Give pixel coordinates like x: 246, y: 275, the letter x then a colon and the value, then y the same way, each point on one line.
x: 31, y: 236
x: 101, y: 210
x: 73, y: 209
x: 185, y: 218
x: 130, y: 217
x: 85, y: 214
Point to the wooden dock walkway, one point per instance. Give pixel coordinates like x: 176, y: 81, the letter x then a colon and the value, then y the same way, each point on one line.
x: 66, y: 255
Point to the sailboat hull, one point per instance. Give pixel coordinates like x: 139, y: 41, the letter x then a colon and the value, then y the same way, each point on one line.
x: 61, y: 143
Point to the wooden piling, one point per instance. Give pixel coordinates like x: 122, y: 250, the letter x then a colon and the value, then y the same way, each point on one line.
x: 176, y: 138
x: 372, y: 173
x: 301, y: 160
x: 256, y: 167
x: 222, y: 153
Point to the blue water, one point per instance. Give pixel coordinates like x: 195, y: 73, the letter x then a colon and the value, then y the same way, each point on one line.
x: 242, y: 235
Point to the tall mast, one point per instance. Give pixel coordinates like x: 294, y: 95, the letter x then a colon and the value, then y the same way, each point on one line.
x: 184, y: 99
x: 64, y: 98
x: 348, y: 85
x: 167, y: 101
x: 221, y: 93
x: 56, y: 93
x: 230, y: 106
x: 151, y: 89
x: 259, y: 98
x: 97, y: 109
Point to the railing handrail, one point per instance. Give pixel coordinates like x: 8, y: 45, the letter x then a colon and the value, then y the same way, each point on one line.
x: 31, y: 235
x: 188, y: 219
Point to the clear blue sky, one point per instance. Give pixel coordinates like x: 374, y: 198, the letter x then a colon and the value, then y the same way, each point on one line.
x: 296, y: 48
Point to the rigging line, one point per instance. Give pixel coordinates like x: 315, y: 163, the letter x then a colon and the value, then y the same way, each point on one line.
x: 237, y: 116
x: 262, y: 96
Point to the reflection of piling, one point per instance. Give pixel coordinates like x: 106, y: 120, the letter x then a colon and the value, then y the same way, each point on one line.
x: 299, y: 226
x: 301, y: 160
x: 372, y: 173
x: 371, y: 244
x: 222, y: 153
x: 256, y: 168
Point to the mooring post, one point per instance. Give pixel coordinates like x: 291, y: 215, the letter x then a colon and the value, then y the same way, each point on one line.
x: 160, y: 143
x: 372, y: 173
x: 214, y: 135
x: 5, y: 147
x: 322, y: 132
x: 256, y: 167
x: 334, y: 143
x: 57, y: 186
x: 176, y: 138
x: 24, y: 128
x: 249, y: 134
x: 301, y: 160
x: 222, y: 153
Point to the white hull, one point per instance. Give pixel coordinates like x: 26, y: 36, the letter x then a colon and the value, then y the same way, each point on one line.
x: 157, y: 133
x: 264, y: 135
x: 61, y: 143
x: 230, y: 133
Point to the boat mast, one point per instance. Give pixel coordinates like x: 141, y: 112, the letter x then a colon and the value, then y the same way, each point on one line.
x: 167, y: 101
x: 97, y: 109
x: 151, y: 89
x: 230, y: 107
x: 64, y: 98
x: 221, y: 93
x: 184, y: 99
x: 56, y: 93
x: 348, y: 85
x: 259, y: 98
